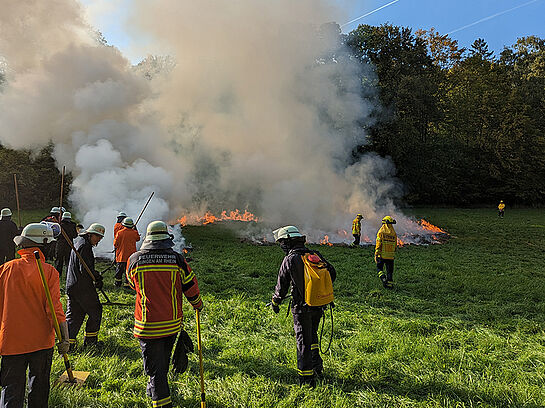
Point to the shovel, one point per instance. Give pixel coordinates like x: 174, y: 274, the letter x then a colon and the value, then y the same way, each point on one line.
x: 199, y: 346
x: 69, y: 377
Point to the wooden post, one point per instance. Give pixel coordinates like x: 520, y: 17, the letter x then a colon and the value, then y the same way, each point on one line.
x: 17, y: 198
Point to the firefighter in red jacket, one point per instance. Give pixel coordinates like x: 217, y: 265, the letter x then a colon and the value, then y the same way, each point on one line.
x: 164, y: 275
x: 27, y: 334
x: 125, y: 245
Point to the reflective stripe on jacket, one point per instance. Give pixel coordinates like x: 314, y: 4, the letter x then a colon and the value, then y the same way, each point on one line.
x: 386, y: 242
x: 26, y: 324
x: 125, y: 243
x: 160, y: 277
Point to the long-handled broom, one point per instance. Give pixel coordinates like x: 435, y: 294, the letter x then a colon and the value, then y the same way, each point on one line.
x: 69, y: 377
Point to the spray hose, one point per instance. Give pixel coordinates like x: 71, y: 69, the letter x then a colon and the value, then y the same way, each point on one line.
x: 322, y: 330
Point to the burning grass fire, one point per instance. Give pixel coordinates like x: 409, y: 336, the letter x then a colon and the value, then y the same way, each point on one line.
x: 209, y: 218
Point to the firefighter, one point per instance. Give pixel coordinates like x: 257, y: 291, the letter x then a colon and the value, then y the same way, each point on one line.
x: 82, y: 291
x: 27, y: 336
x: 501, y: 208
x: 8, y: 231
x: 356, y: 229
x: 63, y: 247
x: 305, y: 318
x: 164, y: 274
x: 385, y: 250
x: 54, y: 216
x: 125, y: 245
x: 118, y: 224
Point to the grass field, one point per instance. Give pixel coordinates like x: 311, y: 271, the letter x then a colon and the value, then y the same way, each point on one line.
x: 464, y: 326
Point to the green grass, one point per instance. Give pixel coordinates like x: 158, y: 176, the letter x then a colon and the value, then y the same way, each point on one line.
x: 464, y: 326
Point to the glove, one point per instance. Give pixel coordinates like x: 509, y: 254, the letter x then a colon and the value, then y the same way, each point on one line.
x: 377, y: 259
x: 200, y: 307
x: 63, y: 345
x: 275, y: 308
x: 98, y: 282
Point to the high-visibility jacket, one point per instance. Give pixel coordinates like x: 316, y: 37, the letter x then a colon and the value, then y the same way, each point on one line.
x: 501, y: 206
x: 26, y: 324
x: 386, y: 242
x: 125, y: 243
x: 117, y: 227
x: 356, y: 226
x: 160, y: 276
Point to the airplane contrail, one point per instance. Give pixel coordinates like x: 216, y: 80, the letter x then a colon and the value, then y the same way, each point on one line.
x: 491, y: 17
x: 368, y: 14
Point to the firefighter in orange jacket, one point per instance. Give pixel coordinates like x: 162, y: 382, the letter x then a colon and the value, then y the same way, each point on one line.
x: 165, y: 275
x: 385, y: 251
x: 125, y: 245
x: 27, y: 334
x: 118, y: 224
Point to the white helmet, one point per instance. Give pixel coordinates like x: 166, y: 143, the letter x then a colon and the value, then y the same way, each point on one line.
x: 66, y: 216
x: 35, y: 233
x: 55, y: 210
x: 286, y: 232
x: 121, y: 214
x: 94, y: 228
x: 6, y: 212
x: 127, y: 222
x: 157, y: 231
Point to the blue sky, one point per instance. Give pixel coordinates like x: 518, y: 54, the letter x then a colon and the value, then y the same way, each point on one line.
x: 444, y: 15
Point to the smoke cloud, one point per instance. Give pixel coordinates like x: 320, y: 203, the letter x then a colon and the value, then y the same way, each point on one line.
x: 257, y: 106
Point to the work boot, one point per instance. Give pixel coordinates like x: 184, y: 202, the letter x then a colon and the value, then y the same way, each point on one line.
x: 93, y: 344
x: 307, y: 380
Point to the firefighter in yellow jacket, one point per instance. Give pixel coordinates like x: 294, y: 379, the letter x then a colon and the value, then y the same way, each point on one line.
x: 385, y: 251
x: 356, y: 229
x: 501, y: 208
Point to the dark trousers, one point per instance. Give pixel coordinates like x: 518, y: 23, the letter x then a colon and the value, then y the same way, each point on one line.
x: 81, y: 303
x: 6, y: 254
x: 62, y: 258
x: 120, y: 268
x: 309, y: 362
x: 13, y: 379
x: 356, y: 239
x: 156, y: 355
x: 389, y: 275
x: 500, y: 213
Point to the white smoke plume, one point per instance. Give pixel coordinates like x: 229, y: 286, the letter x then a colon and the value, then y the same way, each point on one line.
x: 257, y: 107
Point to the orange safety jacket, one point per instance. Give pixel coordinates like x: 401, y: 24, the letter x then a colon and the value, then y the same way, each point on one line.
x: 125, y: 243
x: 160, y: 276
x: 117, y: 227
x: 386, y: 242
x: 26, y: 324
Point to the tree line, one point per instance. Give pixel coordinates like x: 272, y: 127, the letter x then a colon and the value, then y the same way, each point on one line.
x: 463, y: 126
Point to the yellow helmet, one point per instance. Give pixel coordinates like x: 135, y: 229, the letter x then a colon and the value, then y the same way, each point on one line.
x: 157, y: 231
x: 359, y: 216
x: 388, y: 220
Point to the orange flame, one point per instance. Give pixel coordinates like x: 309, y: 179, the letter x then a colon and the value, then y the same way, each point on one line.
x: 209, y: 218
x: 325, y: 241
x: 400, y: 242
x: 430, y: 227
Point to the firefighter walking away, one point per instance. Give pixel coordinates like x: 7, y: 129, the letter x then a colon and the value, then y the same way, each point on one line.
x: 159, y: 275
x: 309, y: 297
x: 385, y: 251
x: 8, y: 231
x: 125, y: 245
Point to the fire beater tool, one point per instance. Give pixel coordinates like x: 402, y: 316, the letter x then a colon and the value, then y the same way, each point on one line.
x: 199, y: 346
x: 69, y: 377
x: 108, y: 301
x: 62, y: 190
x: 17, y: 198
x: 144, y: 209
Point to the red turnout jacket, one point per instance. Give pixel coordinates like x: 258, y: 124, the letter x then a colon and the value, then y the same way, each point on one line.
x: 160, y: 276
